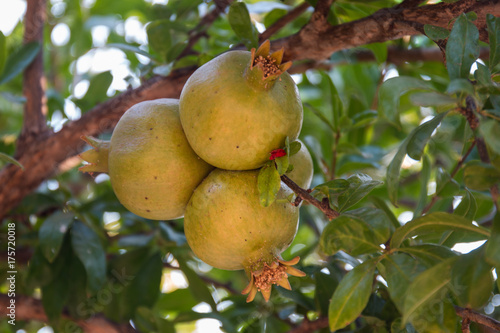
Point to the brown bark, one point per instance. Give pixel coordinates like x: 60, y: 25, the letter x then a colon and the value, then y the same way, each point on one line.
x: 29, y: 308
x: 42, y: 157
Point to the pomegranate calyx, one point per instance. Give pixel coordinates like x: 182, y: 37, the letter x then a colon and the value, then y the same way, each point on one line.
x: 267, y: 66
x: 274, y: 273
x: 97, y: 157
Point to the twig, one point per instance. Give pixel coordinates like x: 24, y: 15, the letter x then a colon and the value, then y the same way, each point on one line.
x: 29, y: 308
x: 471, y: 315
x: 283, y: 21
x: 324, y: 205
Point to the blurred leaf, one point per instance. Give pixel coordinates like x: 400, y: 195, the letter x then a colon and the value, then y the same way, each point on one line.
x: 51, y: 233
x: 429, y: 254
x: 170, y: 234
x: 425, y: 175
x: 467, y: 206
x: 54, y: 296
x: 3, y: 51
x: 239, y: 19
x: 419, y: 137
x: 436, y: 33
x: 294, y: 148
x: 480, y: 177
x: 273, y: 15
x: 445, y: 185
x: 351, y: 295
x: 19, y: 60
x: 335, y: 101
x: 320, y: 115
x: 179, y: 300
x: 462, y: 48
x: 97, y: 92
x: 196, y: 285
x: 432, y: 99
x: 494, y: 39
x: 489, y: 130
x: 392, y: 89
x: 131, y: 48
x: 435, y: 222
x: 359, y: 187
x: 379, y: 51
x: 472, y: 280
x: 88, y: 248
x: 297, y: 297
x: 269, y: 183
x: 6, y: 158
x: 376, y: 219
x: 325, y: 286
x: 382, y: 205
x: 430, y: 285
x: 364, y: 118
x: 159, y: 37
x: 145, y: 287
x: 492, y: 247
x: 460, y: 86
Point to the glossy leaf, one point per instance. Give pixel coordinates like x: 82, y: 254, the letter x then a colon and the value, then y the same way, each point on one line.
x: 6, y: 158
x: 425, y: 174
x: 335, y: 102
x: 239, y: 19
x: 435, y: 223
x: 436, y: 33
x: 88, y: 248
x: 360, y: 186
x: 52, y: 232
x: 429, y: 286
x: 462, y: 48
x: 145, y: 287
x: 420, y: 136
x: 494, y: 39
x: 460, y: 86
x: 467, y: 206
x: 492, y: 247
x: 489, y: 129
x: 429, y: 254
x: 432, y: 99
x: 269, y: 183
x: 321, y: 116
x: 351, y: 296
x: 198, y: 288
x: 19, y: 60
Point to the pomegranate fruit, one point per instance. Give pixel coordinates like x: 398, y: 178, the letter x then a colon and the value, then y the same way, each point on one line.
x: 227, y: 228
x: 302, y: 172
x: 239, y: 106
x: 152, y: 168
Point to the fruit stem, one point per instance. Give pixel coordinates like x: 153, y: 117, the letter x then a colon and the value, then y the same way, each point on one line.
x: 265, y: 68
x: 97, y: 157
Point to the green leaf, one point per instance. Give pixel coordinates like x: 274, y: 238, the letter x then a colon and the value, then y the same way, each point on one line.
x: 88, y: 248
x: 320, y: 115
x: 379, y: 51
x: 297, y: 297
x: 435, y: 223
x: 131, y: 48
x: 376, y: 219
x: 198, y: 288
x: 481, y: 177
x: 325, y: 286
x: 350, y: 234
x: 19, y: 60
x: 241, y: 23
x: 494, y: 39
x: 429, y: 254
x: 145, y: 287
x: 462, y: 48
x: 180, y: 300
x: 445, y: 185
x: 420, y: 136
x: 351, y: 296
x: 492, y: 247
x: 335, y: 101
x: 472, y: 280
x: 436, y: 33
x: 52, y: 232
x: 269, y: 183
x: 392, y: 89
x: 425, y: 175
x: 8, y: 159
x: 159, y: 37
x: 467, y: 206
x: 3, y: 51
x: 54, y: 296
x: 294, y: 148
x: 460, y: 86
x: 415, y: 142
x: 359, y: 187
x: 428, y: 287
x: 489, y: 129
x: 432, y: 98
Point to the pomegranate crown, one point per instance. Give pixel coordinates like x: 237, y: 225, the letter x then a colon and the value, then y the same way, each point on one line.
x: 97, y: 157
x: 267, y: 66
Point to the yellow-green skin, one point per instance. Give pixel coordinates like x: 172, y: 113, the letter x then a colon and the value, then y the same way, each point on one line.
x: 233, y: 122
x: 227, y: 228
x: 303, y: 169
x: 152, y: 168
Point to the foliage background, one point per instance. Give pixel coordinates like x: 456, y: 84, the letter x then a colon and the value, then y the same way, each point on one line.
x: 397, y: 135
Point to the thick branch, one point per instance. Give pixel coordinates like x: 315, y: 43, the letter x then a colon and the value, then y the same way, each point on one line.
x: 42, y: 157
x: 34, y: 83
x: 28, y: 308
x: 324, y: 205
x: 386, y: 24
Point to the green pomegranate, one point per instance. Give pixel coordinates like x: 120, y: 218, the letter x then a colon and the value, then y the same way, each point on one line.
x: 227, y: 228
x: 302, y: 172
x: 238, y: 107
x: 152, y: 168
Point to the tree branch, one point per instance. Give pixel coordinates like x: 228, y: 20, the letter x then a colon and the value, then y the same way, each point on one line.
x: 283, y: 21
x: 34, y: 82
x: 29, y: 308
x: 42, y: 157
x: 310, y: 326
x: 302, y: 194
x: 469, y: 315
